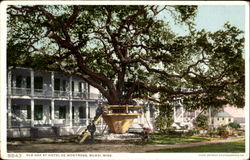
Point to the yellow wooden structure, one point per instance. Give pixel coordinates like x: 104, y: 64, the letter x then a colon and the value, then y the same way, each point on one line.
x: 120, y: 117
x: 86, y: 133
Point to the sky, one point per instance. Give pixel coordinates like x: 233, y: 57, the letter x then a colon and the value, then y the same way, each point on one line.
x: 213, y: 17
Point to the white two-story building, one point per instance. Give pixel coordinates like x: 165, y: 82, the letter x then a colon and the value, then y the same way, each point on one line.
x: 48, y: 103
x: 45, y: 103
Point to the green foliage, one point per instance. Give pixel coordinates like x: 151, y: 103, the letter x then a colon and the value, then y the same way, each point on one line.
x: 234, y: 125
x: 165, y: 118
x: 201, y: 122
x: 240, y: 133
x: 131, y: 52
x: 186, y: 13
x: 229, y: 147
x: 212, y: 132
x: 223, y: 132
x: 159, y: 138
x: 192, y: 132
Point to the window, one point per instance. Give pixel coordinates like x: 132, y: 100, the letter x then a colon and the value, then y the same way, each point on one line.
x: 15, y: 111
x: 218, y: 119
x: 152, y: 110
x: 19, y: 81
x: 28, y: 83
x: 80, y: 87
x: 57, y: 84
x: 50, y: 112
x: 223, y: 118
x: 62, y: 112
x: 212, y: 121
x: 38, y: 82
x: 85, y: 86
x: 82, y: 112
x: 73, y: 112
x: 89, y: 112
x: 64, y: 85
x: 28, y: 112
x: 72, y: 87
x: 229, y: 120
x: 38, y: 112
x: 12, y: 82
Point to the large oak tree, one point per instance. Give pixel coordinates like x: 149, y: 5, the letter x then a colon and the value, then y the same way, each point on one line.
x: 130, y: 52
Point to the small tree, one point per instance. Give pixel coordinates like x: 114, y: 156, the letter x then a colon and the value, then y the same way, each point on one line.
x: 234, y: 125
x: 165, y: 119
x: 223, y: 132
x: 201, y: 122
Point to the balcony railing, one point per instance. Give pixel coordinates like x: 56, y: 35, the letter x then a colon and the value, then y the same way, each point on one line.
x: 57, y: 94
x: 20, y: 123
x: 61, y: 94
x: 42, y: 93
x: 79, y: 95
x: 20, y: 91
x: 79, y: 122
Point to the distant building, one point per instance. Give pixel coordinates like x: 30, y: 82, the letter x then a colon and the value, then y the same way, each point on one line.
x: 240, y: 120
x: 184, y: 119
x: 220, y: 118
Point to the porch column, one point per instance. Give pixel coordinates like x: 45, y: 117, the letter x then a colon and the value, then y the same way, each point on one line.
x: 70, y: 113
x: 88, y: 92
x: 52, y: 112
x: 32, y: 112
x: 52, y: 84
x: 70, y: 88
x: 32, y: 82
x: 52, y: 100
x: 70, y: 101
x: 9, y: 82
x: 87, y: 112
x: 9, y: 113
x: 32, y: 104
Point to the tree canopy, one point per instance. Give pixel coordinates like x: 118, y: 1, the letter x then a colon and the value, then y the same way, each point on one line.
x: 130, y: 52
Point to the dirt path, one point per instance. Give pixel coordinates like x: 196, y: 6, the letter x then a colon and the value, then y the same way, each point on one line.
x: 99, y: 147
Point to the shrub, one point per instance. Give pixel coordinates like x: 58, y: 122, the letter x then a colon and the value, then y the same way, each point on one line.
x: 172, y: 132
x: 165, y: 118
x: 222, y: 131
x: 240, y: 133
x: 201, y: 122
x: 212, y: 132
x: 191, y: 132
x: 234, y: 125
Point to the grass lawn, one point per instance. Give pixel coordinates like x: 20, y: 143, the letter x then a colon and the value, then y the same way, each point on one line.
x: 230, y: 147
x: 174, y: 139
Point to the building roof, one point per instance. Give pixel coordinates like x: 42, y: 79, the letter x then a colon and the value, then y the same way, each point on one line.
x: 234, y: 111
x: 221, y: 113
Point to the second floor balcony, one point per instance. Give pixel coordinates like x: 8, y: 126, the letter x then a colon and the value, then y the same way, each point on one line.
x: 47, y: 93
x: 26, y: 82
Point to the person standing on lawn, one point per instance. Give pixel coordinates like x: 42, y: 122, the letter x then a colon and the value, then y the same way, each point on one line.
x: 91, y: 128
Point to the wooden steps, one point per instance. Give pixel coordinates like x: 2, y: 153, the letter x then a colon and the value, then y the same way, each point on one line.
x: 86, y: 133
